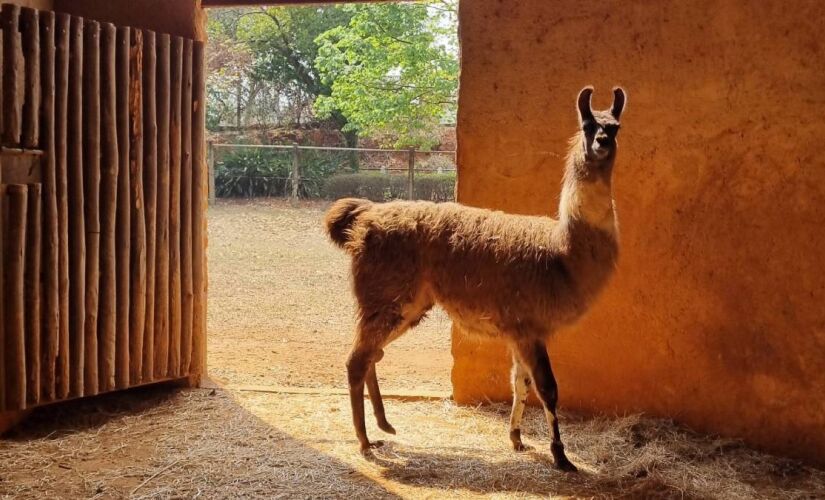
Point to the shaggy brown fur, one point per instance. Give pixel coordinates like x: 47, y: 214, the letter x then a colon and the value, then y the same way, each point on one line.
x: 509, y: 276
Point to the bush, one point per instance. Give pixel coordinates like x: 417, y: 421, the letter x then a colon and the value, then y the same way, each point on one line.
x: 435, y: 187
x: 253, y: 172
x: 383, y: 187
x: 249, y: 172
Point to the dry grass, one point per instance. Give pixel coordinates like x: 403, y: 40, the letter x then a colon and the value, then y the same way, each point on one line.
x: 157, y: 443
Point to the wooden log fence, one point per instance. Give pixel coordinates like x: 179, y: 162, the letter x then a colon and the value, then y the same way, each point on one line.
x: 102, y: 261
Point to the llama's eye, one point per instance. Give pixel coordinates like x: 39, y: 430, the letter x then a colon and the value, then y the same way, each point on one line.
x: 611, y: 129
x: 589, y: 127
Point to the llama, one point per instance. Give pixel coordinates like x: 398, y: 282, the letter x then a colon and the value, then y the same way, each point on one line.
x: 517, y: 278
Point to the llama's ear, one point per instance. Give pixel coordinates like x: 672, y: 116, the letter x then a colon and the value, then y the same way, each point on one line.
x: 619, y: 100
x: 585, y: 112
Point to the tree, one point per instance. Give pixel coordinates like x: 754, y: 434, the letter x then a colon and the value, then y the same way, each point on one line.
x: 392, y: 70
x: 283, y: 41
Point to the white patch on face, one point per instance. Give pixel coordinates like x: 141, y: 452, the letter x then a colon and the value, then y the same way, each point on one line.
x: 598, y: 152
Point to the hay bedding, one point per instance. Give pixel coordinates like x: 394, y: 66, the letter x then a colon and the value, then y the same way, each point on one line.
x: 446, y: 451
x: 157, y: 443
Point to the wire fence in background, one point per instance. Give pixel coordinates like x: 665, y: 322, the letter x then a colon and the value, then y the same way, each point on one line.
x: 293, y: 171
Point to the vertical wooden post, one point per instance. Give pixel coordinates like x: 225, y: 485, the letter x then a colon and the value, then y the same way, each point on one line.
x: 296, y: 171
x: 91, y: 188
x: 14, y: 241
x: 32, y: 294
x: 175, y: 307
x: 30, y: 28
x: 186, y: 211
x: 3, y: 328
x: 51, y: 266
x: 77, y: 239
x: 123, y: 229
x: 411, y: 174
x: 61, y: 120
x: 13, y: 75
x: 162, y: 239
x: 137, y: 283
x: 210, y: 155
x: 107, y: 316
x: 199, y: 194
x: 150, y: 188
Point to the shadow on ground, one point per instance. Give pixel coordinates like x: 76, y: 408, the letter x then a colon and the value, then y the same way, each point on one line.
x: 162, y: 442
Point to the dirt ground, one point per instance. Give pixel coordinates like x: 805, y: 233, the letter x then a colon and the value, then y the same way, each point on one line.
x: 281, y: 311
x: 281, y: 315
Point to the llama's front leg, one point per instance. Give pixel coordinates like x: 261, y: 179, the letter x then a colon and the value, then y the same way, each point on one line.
x: 534, y: 356
x: 521, y: 386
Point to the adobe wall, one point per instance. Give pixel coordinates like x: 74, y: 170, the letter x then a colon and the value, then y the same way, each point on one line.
x: 716, y: 316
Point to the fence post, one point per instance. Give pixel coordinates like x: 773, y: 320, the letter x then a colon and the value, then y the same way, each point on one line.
x: 296, y: 172
x: 411, y: 180
x: 211, y: 167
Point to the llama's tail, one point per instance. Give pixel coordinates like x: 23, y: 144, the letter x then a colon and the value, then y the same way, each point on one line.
x: 341, y: 216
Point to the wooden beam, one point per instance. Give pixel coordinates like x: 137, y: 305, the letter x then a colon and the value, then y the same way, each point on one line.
x: 186, y: 212
x: 175, y: 308
x: 107, y: 310
x: 50, y: 266
x: 207, y: 4
x: 30, y: 29
x: 15, y: 207
x: 77, y: 241
x: 150, y: 192
x: 32, y: 292
x: 91, y: 192
x: 137, y: 283
x: 199, y: 277
x: 61, y: 121
x: 124, y: 221
x: 162, y: 229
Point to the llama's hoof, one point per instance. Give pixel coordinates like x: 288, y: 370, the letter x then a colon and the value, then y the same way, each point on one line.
x: 367, y: 450
x: 566, y: 465
x: 515, y: 438
x: 521, y: 447
x: 386, y: 427
x: 562, y: 463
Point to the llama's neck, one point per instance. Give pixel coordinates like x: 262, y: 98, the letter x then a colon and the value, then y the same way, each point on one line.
x: 587, y: 192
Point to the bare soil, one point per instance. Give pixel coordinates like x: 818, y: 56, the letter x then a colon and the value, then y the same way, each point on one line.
x: 281, y: 311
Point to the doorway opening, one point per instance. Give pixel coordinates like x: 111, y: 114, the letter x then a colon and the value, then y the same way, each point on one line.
x: 306, y: 105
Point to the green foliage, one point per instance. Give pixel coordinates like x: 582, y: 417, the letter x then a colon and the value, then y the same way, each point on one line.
x: 382, y: 187
x: 282, y: 40
x: 435, y: 187
x: 253, y: 172
x: 393, y: 70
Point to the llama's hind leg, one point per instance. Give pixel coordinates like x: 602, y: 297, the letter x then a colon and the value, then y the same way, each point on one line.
x: 534, y: 356
x: 521, y: 386
x: 375, y: 398
x: 360, y: 362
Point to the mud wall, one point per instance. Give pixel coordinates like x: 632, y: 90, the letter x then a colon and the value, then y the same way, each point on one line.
x: 715, y: 316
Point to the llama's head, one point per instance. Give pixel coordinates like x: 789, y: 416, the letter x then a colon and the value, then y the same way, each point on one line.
x: 599, y: 128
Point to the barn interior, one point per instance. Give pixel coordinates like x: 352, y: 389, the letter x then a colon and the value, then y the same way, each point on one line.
x: 699, y: 371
